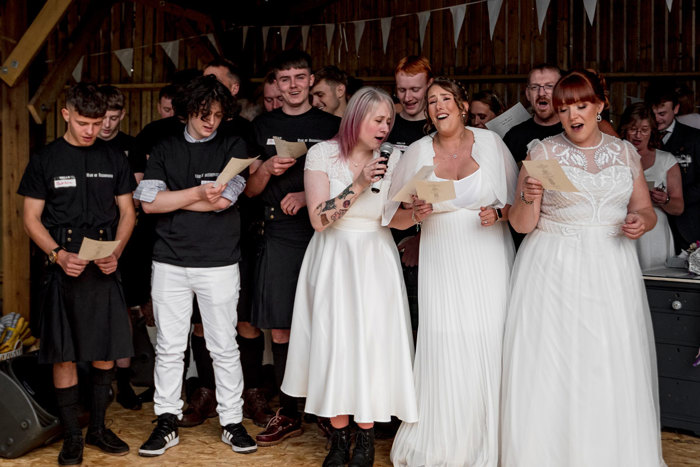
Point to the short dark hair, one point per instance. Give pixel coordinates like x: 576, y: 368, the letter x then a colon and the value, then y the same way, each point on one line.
x: 114, y: 97
x: 332, y: 74
x: 169, y: 91
x: 660, y: 91
x: 198, y: 95
x: 232, y: 68
x: 87, y: 100
x: 544, y: 67
x: 291, y: 59
x: 489, y: 98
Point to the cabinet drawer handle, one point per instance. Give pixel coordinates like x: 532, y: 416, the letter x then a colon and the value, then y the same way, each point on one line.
x: 676, y: 305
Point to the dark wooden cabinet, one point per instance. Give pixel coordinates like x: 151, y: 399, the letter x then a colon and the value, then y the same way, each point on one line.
x: 675, y: 313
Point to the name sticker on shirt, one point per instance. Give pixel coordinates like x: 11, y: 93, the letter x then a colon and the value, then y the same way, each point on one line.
x: 270, y: 142
x: 64, y: 181
x: 98, y: 175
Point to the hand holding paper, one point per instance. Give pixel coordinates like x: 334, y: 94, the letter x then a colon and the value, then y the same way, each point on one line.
x: 289, y: 149
x: 550, y: 173
x: 90, y: 249
x: 404, y: 195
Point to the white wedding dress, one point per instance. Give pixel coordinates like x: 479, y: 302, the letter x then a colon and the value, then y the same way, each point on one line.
x: 656, y: 245
x: 351, y: 347
x: 463, y: 275
x: 579, y: 377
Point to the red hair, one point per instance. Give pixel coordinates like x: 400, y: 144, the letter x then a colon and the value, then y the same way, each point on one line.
x: 414, y: 65
x: 579, y: 86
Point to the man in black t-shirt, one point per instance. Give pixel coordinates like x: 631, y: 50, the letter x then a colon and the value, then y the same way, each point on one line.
x: 196, y: 252
x: 278, y: 182
x: 413, y: 76
x: 78, y: 187
x: 545, y: 121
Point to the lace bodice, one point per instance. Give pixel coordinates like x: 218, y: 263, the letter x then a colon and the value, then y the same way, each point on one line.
x: 603, y: 174
x: 365, y: 213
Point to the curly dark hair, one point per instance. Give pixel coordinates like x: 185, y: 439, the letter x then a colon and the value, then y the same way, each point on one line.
x: 198, y: 95
x: 87, y: 100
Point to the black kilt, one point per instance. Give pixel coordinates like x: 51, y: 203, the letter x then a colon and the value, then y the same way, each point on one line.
x: 277, y: 271
x: 84, y: 318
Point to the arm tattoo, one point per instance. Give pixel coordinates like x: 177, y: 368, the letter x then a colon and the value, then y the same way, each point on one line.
x: 329, y: 212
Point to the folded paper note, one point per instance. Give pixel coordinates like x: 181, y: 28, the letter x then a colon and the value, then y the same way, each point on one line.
x: 91, y: 250
x: 550, y: 173
x: 233, y: 168
x: 289, y: 149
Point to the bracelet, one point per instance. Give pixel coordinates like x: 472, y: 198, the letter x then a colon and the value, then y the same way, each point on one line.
x: 522, y: 198
x: 499, y: 214
x: 668, y: 199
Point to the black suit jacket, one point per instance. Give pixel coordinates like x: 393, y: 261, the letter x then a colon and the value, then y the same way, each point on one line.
x: 684, y: 143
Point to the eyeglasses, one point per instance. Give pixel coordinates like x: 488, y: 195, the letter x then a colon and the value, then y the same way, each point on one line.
x: 545, y: 87
x: 646, y: 131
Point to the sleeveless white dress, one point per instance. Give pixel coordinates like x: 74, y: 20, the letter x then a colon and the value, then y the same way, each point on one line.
x: 579, y: 377
x: 463, y: 276
x: 656, y: 245
x: 351, y: 346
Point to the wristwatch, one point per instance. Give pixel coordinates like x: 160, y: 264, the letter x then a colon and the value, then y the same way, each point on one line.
x: 53, y: 256
x: 499, y: 213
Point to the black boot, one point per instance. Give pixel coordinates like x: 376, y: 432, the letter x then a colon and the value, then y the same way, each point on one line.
x: 340, y: 448
x: 363, y: 454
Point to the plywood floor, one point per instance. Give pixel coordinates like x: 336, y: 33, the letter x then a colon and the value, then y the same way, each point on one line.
x: 202, y: 446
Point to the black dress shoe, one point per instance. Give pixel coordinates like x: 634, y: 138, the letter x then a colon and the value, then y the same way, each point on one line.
x: 72, y: 450
x: 128, y: 399
x: 105, y: 440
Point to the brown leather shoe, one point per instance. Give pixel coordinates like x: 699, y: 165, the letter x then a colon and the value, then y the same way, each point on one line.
x: 255, y: 407
x: 280, y: 428
x: 202, y: 406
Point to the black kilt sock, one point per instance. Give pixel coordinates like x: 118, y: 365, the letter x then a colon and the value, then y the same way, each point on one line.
x: 251, y: 360
x: 287, y: 403
x: 68, y: 404
x: 101, y: 384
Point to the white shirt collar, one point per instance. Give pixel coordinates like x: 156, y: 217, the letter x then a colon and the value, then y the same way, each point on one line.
x: 190, y: 139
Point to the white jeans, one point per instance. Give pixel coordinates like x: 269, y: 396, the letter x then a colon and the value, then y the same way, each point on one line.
x: 217, y: 295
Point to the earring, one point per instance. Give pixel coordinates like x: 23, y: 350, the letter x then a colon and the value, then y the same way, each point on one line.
x: 598, y: 118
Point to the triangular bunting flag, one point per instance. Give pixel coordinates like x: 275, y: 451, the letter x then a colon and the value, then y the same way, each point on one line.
x: 245, y: 36
x: 458, y: 12
x: 304, y: 35
x: 283, y: 32
x: 265, y: 31
x: 212, y: 39
x: 78, y: 70
x: 542, y: 6
x: 172, y: 50
x: 423, y: 18
x: 345, y: 37
x: 386, y: 29
x: 359, y: 30
x: 590, y: 9
x: 668, y: 4
x: 330, y: 29
x: 494, y: 11
x: 126, y: 58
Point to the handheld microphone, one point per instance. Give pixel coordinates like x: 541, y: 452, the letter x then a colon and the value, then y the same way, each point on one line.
x: 385, y: 150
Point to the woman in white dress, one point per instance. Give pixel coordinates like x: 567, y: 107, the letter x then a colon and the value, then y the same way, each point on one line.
x: 466, y: 254
x: 351, y: 346
x: 579, y: 366
x: 638, y: 126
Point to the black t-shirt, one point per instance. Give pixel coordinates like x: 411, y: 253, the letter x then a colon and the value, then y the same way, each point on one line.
x: 158, y: 130
x: 189, y: 238
x: 78, y: 184
x: 406, y: 132
x: 310, y: 127
x: 133, y: 152
x: 521, y: 134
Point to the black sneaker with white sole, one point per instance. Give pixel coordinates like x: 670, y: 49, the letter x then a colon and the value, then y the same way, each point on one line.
x: 164, y: 436
x: 236, y: 436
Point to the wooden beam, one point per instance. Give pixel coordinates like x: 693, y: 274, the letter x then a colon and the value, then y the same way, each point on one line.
x: 200, y: 44
x: 15, y: 155
x: 32, y: 40
x: 53, y: 83
x: 177, y: 10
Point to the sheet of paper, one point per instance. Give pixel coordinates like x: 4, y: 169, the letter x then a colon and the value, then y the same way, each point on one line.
x: 289, y: 149
x: 233, y: 168
x: 435, y: 192
x: 91, y: 250
x: 404, y: 195
x: 651, y: 184
x: 551, y: 175
x: 508, y: 119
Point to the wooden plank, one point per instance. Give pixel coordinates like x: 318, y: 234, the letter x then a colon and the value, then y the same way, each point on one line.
x: 199, y: 46
x: 14, y: 148
x: 32, y: 40
x: 176, y: 10
x: 115, y: 41
x: 53, y: 83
